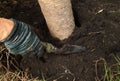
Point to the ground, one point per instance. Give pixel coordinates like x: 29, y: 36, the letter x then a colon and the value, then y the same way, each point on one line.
x: 97, y: 28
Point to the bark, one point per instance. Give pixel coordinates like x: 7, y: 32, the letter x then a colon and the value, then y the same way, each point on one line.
x: 59, y: 17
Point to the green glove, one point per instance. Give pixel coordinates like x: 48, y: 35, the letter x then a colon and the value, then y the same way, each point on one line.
x: 49, y: 48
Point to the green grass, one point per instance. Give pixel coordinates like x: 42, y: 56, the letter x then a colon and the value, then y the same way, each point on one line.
x: 112, y: 72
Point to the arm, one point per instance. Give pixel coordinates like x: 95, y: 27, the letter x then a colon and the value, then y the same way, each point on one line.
x: 6, y: 26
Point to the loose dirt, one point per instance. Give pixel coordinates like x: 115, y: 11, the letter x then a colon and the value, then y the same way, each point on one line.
x: 97, y: 28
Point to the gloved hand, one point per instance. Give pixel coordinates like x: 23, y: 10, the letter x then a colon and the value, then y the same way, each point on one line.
x: 49, y: 48
x: 20, y: 38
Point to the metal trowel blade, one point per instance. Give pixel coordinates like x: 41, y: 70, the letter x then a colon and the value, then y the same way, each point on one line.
x: 70, y: 49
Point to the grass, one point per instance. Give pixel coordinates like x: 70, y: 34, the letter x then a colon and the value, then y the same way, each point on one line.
x: 18, y: 75
x: 7, y: 75
x: 111, y: 73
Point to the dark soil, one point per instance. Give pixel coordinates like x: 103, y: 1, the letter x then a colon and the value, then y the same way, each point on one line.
x: 98, y: 29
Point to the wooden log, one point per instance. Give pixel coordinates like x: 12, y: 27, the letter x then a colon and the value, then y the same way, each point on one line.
x: 59, y: 17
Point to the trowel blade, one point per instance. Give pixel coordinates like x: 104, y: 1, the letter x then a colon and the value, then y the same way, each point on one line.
x: 70, y: 49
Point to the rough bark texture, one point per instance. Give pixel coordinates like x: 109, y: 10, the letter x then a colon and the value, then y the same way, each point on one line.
x: 59, y: 17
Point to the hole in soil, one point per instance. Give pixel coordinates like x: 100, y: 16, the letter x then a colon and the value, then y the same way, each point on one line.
x: 77, y: 22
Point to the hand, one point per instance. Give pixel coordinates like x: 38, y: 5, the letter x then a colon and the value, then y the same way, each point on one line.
x: 6, y: 27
